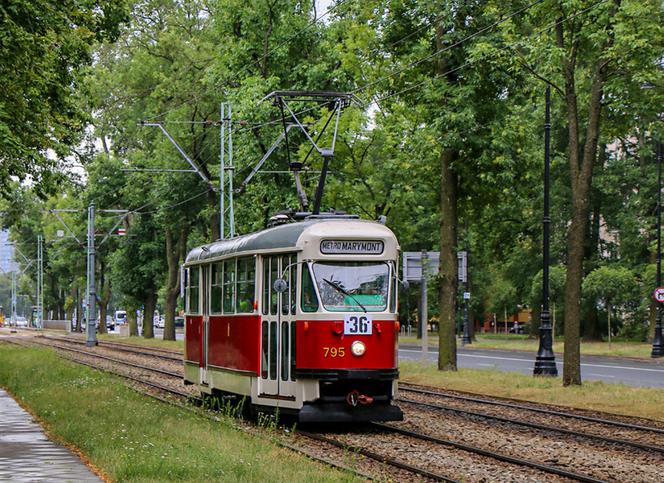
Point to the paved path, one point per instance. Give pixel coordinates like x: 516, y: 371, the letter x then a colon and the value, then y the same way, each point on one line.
x: 26, y: 454
x: 633, y: 372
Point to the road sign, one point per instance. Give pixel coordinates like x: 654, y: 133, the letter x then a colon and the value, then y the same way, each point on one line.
x: 412, y: 265
x: 462, y: 259
x: 658, y: 295
x: 122, y: 231
x: 466, y: 295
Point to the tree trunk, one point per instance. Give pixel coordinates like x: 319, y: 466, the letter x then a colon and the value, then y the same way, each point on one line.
x: 447, y: 357
x: 175, y: 252
x: 105, y: 291
x: 581, y: 171
x: 581, y: 180
x: 131, y: 320
x: 148, y: 314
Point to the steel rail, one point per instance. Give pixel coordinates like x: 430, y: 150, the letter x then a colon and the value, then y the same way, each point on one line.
x: 123, y: 347
x: 490, y: 454
x: 544, y: 427
x: 375, y: 456
x: 549, y: 412
x: 112, y: 359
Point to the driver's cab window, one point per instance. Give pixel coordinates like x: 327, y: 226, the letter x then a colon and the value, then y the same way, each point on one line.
x: 309, y: 302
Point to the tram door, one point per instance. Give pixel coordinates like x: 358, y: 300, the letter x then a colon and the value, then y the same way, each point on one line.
x: 278, y: 328
x: 205, y: 311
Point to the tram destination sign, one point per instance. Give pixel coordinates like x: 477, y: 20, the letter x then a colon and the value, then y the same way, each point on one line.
x: 351, y: 247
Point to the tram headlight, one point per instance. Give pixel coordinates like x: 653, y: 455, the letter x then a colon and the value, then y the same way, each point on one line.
x: 358, y: 348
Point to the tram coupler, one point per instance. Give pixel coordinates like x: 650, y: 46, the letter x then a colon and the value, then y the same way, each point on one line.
x: 355, y: 397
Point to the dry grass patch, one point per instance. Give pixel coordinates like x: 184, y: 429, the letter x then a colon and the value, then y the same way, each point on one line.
x: 594, y: 395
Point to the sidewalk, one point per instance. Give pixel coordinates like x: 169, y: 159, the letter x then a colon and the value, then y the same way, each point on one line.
x: 26, y: 454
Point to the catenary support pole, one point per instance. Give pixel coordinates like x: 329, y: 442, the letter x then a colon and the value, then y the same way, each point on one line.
x: 40, y: 284
x: 545, y: 363
x: 657, y: 342
x: 91, y: 339
x: 13, y: 302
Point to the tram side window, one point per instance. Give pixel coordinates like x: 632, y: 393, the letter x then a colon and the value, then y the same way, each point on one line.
x: 246, y: 285
x: 229, y: 286
x: 309, y: 299
x: 192, y: 290
x: 274, y: 274
x: 266, y: 285
x: 215, y: 293
x: 287, y: 298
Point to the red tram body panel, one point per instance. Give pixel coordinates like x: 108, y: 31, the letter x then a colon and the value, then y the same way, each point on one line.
x: 234, y: 342
x: 323, y: 336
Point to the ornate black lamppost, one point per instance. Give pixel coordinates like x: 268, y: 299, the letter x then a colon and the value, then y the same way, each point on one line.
x: 545, y: 363
x: 657, y: 343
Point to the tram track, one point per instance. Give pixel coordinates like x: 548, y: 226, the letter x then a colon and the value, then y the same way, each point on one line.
x: 491, y: 454
x: 645, y: 438
x: 152, y: 351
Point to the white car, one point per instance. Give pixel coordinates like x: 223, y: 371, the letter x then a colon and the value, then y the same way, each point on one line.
x: 21, y: 321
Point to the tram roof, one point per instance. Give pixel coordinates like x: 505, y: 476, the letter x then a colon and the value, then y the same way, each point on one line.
x: 279, y: 237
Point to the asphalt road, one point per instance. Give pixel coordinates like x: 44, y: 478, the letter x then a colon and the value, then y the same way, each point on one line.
x: 632, y: 372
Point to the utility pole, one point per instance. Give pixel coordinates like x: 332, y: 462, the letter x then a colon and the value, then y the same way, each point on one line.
x: 226, y: 182
x: 40, y: 282
x: 91, y: 333
x: 13, y: 308
x: 545, y: 362
x: 657, y: 342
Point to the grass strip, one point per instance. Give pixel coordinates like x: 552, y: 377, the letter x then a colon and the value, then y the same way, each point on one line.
x: 526, y: 343
x: 593, y: 395
x: 131, y: 437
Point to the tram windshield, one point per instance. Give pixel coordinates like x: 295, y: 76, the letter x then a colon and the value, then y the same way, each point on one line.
x: 351, y: 286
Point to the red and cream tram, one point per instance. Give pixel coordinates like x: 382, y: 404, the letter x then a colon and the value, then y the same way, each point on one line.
x: 300, y: 317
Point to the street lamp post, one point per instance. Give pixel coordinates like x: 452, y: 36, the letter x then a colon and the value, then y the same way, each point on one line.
x: 657, y: 343
x: 545, y: 363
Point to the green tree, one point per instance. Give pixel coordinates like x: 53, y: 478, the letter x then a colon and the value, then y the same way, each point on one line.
x: 613, y: 287
x: 44, y: 46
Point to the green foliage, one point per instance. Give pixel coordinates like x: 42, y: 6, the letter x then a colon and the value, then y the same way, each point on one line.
x: 44, y: 46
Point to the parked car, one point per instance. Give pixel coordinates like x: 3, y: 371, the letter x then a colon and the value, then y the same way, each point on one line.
x: 179, y: 321
x: 160, y: 322
x: 21, y: 321
x: 110, y: 323
x: 120, y: 317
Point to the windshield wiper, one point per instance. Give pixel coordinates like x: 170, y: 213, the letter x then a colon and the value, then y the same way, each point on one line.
x: 342, y: 290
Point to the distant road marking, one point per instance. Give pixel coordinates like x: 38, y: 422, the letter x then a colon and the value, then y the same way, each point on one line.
x: 601, y: 375
x: 603, y: 366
